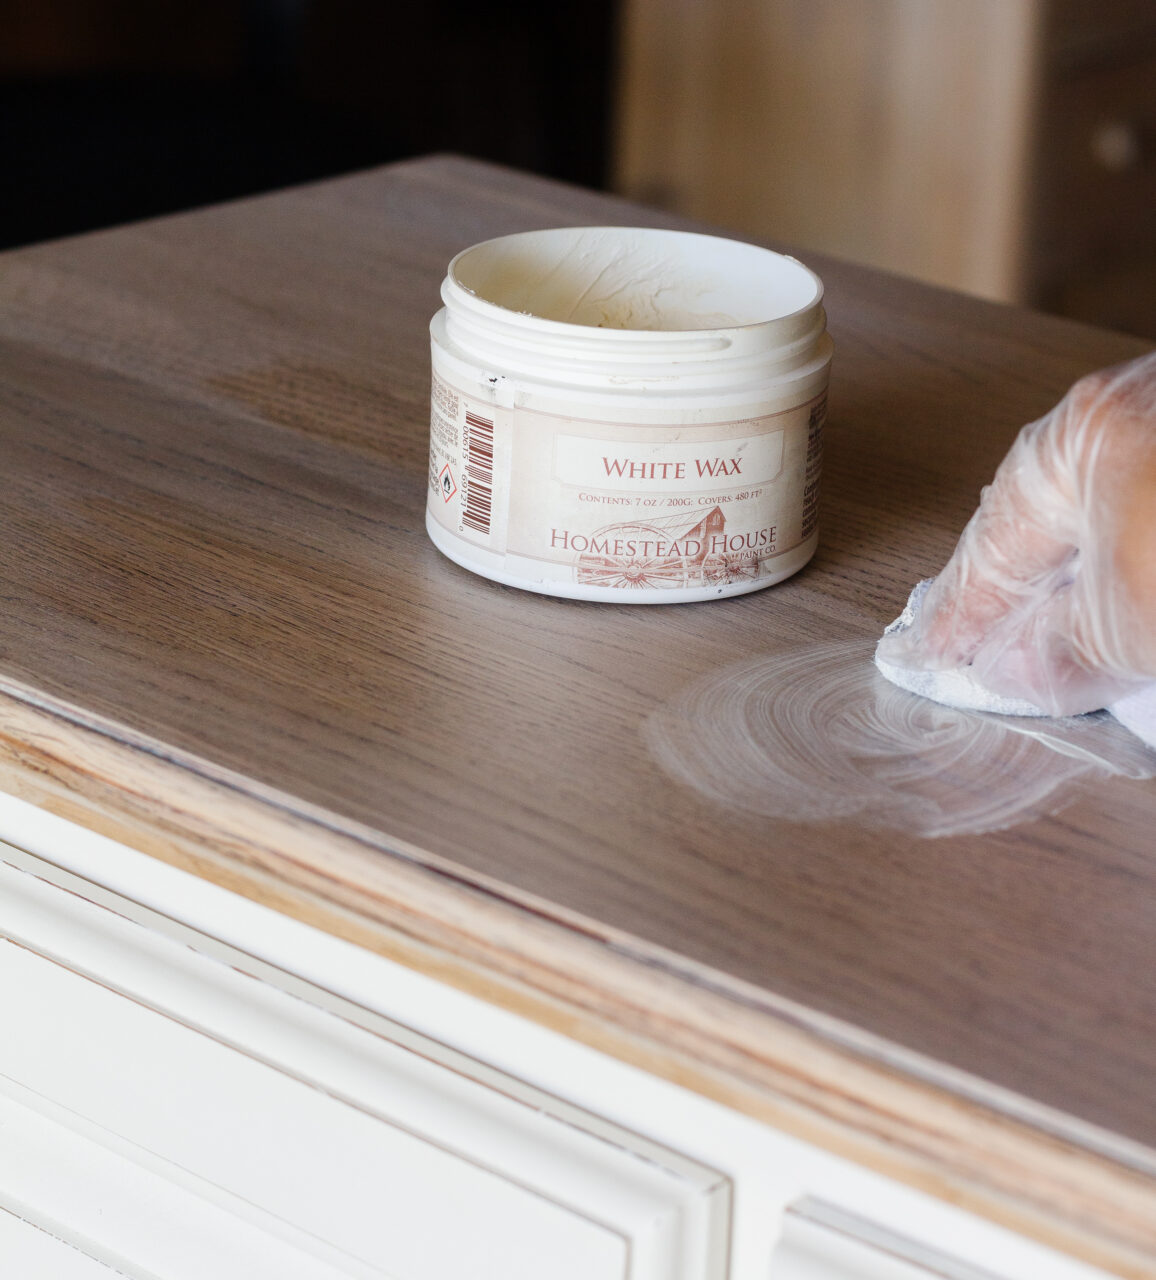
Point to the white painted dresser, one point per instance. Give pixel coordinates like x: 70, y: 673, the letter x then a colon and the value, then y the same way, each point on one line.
x: 193, y: 1085
x: 348, y: 927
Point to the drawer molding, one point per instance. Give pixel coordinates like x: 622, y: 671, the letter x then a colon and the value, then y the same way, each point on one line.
x: 368, y: 1148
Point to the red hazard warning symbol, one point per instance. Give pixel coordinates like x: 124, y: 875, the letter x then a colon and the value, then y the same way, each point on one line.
x: 449, y: 486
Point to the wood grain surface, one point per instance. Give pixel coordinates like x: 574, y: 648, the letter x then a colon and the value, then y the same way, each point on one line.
x: 225, y: 638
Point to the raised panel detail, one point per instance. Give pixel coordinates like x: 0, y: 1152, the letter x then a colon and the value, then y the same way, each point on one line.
x: 146, y: 1083
x: 823, y: 1242
x: 32, y: 1254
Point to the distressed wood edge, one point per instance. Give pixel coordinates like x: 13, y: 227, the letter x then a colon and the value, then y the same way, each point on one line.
x: 1080, y: 1191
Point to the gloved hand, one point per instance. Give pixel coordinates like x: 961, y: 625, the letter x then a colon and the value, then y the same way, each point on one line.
x: 1050, y: 595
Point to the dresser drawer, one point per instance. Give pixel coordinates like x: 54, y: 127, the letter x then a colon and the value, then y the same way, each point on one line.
x: 166, y: 1113
x: 822, y: 1242
x: 194, y: 1087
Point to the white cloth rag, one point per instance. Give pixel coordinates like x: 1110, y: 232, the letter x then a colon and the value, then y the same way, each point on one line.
x: 957, y: 687
x: 1137, y: 711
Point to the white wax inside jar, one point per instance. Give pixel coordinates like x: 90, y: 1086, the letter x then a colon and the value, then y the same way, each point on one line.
x: 636, y: 278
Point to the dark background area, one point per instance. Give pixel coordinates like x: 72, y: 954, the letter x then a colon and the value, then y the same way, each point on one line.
x: 113, y: 110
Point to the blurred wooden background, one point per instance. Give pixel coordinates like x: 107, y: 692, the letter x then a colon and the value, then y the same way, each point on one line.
x: 1002, y: 147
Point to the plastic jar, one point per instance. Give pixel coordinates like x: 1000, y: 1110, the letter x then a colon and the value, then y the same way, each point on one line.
x: 627, y: 414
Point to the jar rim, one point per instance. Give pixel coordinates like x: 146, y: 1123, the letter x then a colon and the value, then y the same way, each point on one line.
x: 632, y: 285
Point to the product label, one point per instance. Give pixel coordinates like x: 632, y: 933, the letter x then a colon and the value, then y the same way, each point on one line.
x: 626, y: 505
x: 683, y: 467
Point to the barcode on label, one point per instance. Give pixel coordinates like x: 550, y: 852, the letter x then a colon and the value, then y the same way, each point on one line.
x: 479, y: 472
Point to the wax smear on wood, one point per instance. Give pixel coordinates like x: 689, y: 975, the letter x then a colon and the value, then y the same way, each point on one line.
x: 817, y: 734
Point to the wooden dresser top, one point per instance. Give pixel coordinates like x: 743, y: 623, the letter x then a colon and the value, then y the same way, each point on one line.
x: 226, y: 639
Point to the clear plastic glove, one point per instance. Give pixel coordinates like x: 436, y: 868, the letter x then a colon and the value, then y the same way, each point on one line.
x: 1050, y: 595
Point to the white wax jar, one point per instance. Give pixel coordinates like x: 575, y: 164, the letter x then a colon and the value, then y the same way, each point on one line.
x: 627, y: 414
